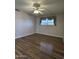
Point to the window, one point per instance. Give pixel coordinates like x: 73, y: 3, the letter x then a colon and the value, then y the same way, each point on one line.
x: 47, y: 21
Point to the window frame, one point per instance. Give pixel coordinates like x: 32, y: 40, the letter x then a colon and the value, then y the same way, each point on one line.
x: 53, y: 17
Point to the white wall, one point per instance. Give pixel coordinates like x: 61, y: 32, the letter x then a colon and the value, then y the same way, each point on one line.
x: 24, y: 24
x: 57, y: 30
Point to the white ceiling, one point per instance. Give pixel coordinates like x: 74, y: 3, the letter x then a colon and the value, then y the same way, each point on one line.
x: 50, y: 7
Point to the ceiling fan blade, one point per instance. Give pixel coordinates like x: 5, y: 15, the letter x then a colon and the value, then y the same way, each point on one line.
x: 41, y: 9
x: 41, y: 12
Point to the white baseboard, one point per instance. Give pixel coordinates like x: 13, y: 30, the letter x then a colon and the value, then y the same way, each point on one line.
x: 23, y: 36
x: 61, y: 36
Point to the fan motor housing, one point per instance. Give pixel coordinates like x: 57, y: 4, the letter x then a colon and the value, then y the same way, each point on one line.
x: 37, y: 5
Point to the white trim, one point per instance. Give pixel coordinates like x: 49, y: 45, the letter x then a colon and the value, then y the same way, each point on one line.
x: 61, y: 36
x: 23, y: 35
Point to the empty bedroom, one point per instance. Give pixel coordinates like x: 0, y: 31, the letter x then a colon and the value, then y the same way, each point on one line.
x: 39, y: 29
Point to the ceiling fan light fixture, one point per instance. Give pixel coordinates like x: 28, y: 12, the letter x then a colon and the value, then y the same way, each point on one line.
x: 36, y: 11
x: 36, y: 7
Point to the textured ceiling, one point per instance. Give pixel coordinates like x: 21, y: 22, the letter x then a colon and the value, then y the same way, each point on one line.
x: 50, y: 7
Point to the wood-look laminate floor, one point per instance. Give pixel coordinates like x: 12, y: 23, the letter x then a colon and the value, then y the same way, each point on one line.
x: 38, y: 46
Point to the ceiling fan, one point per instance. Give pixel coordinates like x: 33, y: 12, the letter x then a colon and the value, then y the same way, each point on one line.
x: 36, y: 8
